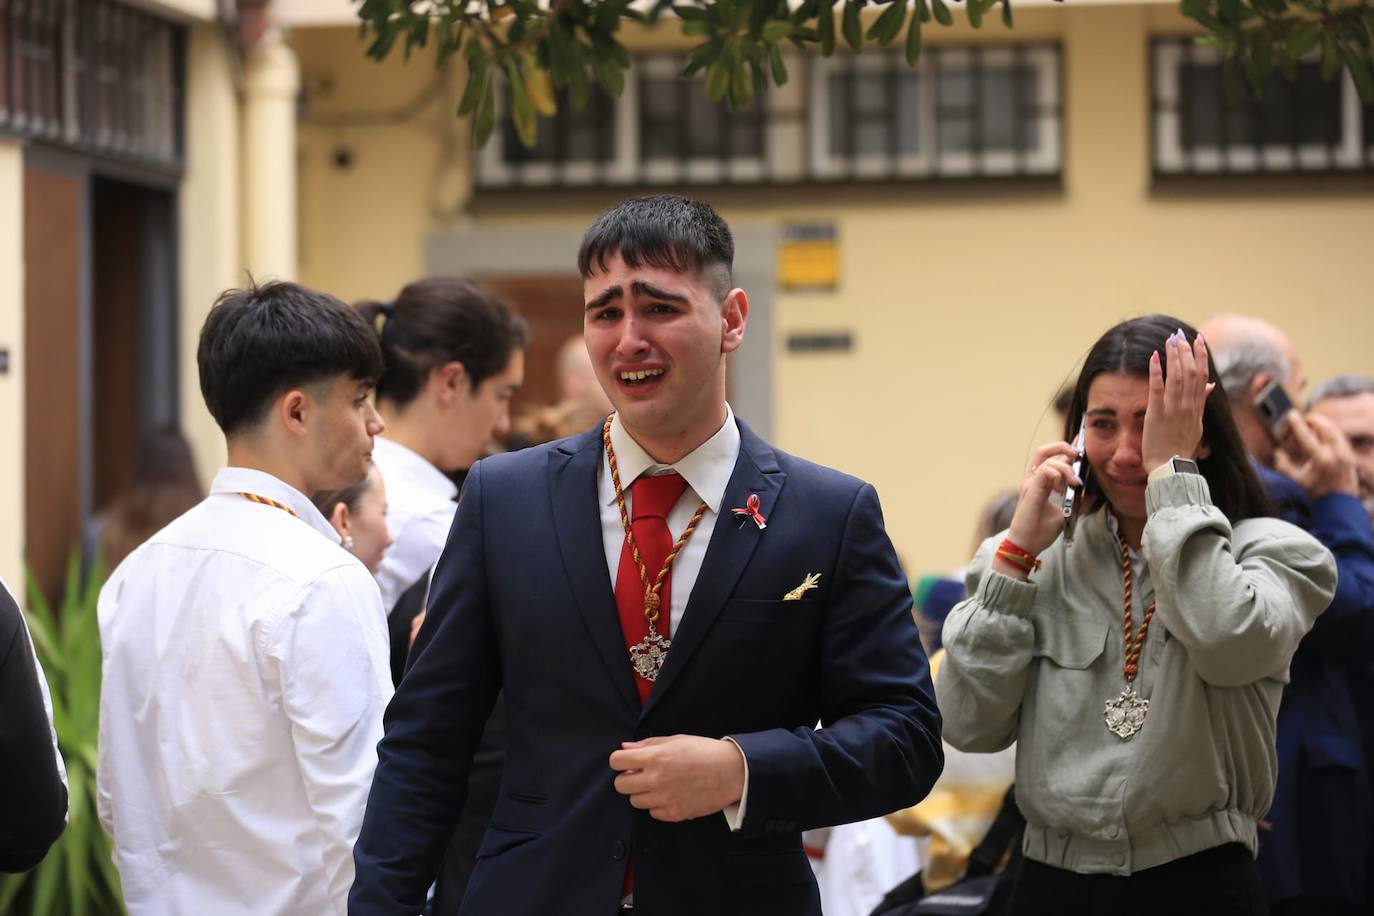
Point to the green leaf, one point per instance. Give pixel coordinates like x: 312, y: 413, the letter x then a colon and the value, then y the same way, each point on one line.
x: 1359, y: 72
x: 741, y: 87
x: 974, y: 10
x: 717, y: 80
x: 1006, y: 13
x: 851, y: 26
x: 486, y: 117
x: 888, y: 25
x: 942, y: 13
x: 610, y: 76
x: 777, y: 30
x: 696, y: 27
x: 923, y: 10
x: 825, y: 25
x: 1303, y: 41
x: 778, y: 66
x: 701, y: 56
x: 913, y: 41
x: 475, y: 90
x: 689, y: 13
x: 1331, y: 57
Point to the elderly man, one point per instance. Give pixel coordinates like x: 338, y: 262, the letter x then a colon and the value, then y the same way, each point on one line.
x: 1348, y: 402
x: 1313, y: 859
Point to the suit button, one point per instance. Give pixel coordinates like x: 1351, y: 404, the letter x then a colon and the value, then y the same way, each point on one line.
x: 618, y: 850
x: 1113, y: 831
x: 1118, y: 859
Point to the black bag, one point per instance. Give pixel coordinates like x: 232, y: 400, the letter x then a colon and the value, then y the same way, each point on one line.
x: 983, y: 891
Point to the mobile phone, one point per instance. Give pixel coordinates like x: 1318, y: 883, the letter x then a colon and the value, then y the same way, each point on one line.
x: 1073, y: 496
x: 1273, y: 405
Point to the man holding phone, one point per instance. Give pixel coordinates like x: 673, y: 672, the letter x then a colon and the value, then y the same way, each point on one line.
x: 1313, y: 858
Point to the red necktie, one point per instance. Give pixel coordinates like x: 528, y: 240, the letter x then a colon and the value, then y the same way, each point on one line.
x: 652, y: 499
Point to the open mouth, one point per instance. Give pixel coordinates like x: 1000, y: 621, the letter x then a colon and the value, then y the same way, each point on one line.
x: 640, y: 378
x: 1129, y: 483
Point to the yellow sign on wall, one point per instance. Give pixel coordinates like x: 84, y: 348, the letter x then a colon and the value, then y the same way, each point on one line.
x: 809, y: 257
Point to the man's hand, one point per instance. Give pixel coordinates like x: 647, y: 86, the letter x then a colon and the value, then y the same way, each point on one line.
x: 1317, y: 457
x: 680, y: 777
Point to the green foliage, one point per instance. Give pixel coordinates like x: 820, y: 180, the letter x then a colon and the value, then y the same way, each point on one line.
x: 77, y: 877
x: 1259, y: 37
x: 550, y: 54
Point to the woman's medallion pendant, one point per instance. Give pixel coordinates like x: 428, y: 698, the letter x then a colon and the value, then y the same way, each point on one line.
x: 1125, y: 713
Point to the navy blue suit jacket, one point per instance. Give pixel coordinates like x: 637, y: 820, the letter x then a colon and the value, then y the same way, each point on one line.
x: 1321, y: 817
x: 522, y: 600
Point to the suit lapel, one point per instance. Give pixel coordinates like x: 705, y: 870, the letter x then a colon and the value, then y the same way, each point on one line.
x: 732, y: 545
x: 573, y: 468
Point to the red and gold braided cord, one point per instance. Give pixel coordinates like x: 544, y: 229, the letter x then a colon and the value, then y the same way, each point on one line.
x: 267, y: 502
x: 651, y: 592
x: 1133, y: 647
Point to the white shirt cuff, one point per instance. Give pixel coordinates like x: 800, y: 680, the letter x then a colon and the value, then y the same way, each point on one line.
x: 734, y: 814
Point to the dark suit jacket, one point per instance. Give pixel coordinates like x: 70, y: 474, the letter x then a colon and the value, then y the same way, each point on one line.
x: 33, y: 800
x: 1321, y: 818
x: 522, y: 599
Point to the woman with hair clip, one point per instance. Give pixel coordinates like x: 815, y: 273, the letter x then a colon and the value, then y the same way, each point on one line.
x: 454, y: 359
x: 1138, y: 665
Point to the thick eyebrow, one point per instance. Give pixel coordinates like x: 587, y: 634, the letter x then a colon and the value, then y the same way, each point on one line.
x: 649, y: 291
x: 640, y: 289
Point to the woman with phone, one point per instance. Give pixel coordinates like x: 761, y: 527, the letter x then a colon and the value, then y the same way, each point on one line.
x: 1139, y: 668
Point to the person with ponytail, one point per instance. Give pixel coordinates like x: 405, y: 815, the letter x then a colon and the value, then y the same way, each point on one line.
x: 454, y: 358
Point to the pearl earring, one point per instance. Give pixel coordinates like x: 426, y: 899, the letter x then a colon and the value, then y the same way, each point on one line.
x: 348, y: 542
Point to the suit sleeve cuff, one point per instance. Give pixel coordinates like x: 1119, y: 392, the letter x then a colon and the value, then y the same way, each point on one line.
x: 734, y: 814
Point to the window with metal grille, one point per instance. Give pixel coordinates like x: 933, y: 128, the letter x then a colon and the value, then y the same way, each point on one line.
x: 93, y: 75
x: 1202, y: 125
x: 961, y: 112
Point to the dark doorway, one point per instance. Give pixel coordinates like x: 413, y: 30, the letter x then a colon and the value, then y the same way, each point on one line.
x: 133, y: 326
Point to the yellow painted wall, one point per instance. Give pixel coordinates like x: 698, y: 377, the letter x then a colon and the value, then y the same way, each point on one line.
x: 12, y: 382
x: 969, y: 306
x: 209, y: 222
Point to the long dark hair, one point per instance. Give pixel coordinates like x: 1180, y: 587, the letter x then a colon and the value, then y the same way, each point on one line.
x: 438, y: 320
x: 1126, y: 349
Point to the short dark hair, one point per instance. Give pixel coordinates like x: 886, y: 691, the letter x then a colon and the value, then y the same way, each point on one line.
x: 1127, y: 348
x: 264, y: 340
x: 438, y: 320
x: 665, y: 231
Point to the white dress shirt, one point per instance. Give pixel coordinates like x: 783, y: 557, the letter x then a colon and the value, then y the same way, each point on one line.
x: 707, y: 470
x: 246, y: 670
x: 419, y: 512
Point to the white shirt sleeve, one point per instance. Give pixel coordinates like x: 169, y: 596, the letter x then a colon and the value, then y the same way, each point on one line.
x: 734, y: 814
x: 332, y: 658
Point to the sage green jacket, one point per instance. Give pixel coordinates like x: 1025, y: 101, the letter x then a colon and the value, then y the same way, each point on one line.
x: 1035, y: 662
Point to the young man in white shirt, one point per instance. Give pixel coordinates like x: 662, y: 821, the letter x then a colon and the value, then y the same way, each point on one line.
x: 245, y: 651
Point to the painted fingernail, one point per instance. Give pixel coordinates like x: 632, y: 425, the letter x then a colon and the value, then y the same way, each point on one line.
x: 1154, y: 357
x: 1201, y: 339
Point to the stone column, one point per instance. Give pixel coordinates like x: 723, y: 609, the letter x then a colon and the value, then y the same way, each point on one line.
x: 271, y: 82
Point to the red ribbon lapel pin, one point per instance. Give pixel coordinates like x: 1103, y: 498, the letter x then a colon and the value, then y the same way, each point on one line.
x: 751, y: 510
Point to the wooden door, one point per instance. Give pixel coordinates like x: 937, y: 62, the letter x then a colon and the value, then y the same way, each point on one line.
x: 53, y: 232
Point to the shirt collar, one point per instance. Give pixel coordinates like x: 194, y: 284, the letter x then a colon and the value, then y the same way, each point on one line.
x: 233, y: 480
x: 397, y: 458
x: 707, y: 468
